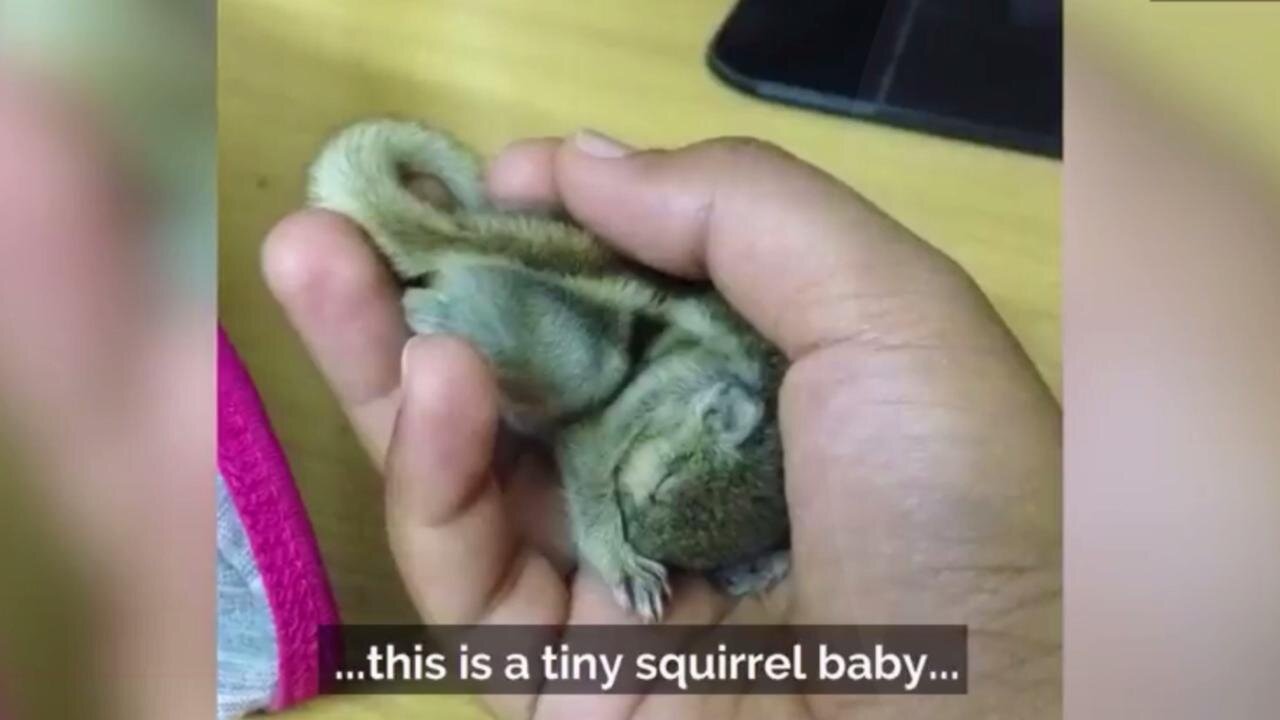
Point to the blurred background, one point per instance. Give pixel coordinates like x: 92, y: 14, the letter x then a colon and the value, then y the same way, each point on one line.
x: 1151, y: 252
x: 107, y: 266
x: 1171, y: 272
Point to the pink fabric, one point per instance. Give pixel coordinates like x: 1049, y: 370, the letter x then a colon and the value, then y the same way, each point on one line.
x: 260, y: 485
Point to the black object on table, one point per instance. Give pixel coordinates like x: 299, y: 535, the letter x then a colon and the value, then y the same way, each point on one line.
x: 989, y: 71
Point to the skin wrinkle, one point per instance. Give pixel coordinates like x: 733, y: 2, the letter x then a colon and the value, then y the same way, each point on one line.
x: 864, y: 367
x: 823, y: 317
x: 862, y: 461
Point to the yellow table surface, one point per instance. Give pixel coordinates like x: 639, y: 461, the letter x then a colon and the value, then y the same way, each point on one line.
x: 292, y: 71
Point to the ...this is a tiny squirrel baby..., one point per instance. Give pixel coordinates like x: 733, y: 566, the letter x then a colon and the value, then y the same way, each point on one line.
x: 658, y: 401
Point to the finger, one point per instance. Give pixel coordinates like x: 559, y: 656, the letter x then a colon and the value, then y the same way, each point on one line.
x: 456, y: 548
x: 521, y: 176
x: 345, y: 305
x: 693, y: 604
x: 808, y: 261
x: 452, y: 539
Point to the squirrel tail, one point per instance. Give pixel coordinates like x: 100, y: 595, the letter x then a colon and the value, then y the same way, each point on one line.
x: 406, y: 184
x: 416, y: 190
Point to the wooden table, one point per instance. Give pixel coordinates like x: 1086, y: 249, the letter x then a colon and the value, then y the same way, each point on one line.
x: 292, y: 71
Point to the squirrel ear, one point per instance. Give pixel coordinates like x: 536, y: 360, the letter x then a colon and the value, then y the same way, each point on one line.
x: 730, y: 410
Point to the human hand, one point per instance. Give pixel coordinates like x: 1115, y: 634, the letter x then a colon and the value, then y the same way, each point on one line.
x: 922, y: 450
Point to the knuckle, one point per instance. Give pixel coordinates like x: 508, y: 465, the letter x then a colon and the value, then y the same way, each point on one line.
x: 738, y: 150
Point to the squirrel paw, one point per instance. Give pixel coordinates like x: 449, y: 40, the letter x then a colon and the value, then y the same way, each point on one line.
x: 639, y: 584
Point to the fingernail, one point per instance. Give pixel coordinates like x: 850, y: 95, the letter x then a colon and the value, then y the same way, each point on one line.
x: 600, y: 146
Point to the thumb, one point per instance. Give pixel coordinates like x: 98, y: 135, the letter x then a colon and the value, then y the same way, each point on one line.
x: 803, y: 257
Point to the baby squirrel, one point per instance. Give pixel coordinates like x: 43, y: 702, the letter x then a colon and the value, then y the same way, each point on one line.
x: 658, y: 401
